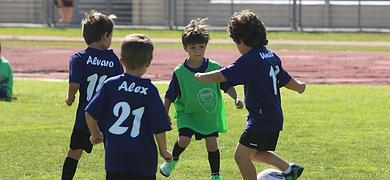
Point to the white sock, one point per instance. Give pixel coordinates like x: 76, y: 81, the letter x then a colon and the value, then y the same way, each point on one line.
x: 288, y: 170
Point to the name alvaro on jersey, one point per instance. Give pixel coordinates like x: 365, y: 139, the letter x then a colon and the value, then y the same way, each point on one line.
x: 98, y: 62
x: 266, y: 55
x: 132, y: 88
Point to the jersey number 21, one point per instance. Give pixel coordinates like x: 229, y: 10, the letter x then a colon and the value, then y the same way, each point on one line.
x: 125, y: 110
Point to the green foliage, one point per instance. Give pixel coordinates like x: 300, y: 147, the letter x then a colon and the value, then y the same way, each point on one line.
x: 336, y: 132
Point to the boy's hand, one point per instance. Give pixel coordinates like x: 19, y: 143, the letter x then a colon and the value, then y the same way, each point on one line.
x: 239, y: 104
x: 69, y: 101
x: 96, y: 138
x: 302, y: 86
x: 169, y: 118
x: 197, y: 76
x: 167, y: 156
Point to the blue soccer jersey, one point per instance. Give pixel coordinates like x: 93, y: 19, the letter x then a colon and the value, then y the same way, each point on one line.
x: 90, y: 68
x: 129, y: 111
x: 262, y: 74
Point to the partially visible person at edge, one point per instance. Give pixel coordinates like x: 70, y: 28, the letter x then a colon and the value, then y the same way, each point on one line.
x: 6, y: 78
x: 65, y: 9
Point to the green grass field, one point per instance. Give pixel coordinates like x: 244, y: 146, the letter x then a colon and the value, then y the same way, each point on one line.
x: 335, y: 131
x: 176, y: 34
x: 75, y: 32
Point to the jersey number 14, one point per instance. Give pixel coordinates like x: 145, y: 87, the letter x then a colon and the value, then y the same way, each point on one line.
x: 92, y: 80
x: 273, y: 73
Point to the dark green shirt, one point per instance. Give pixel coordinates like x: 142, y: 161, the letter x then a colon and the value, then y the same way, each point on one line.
x: 6, y: 77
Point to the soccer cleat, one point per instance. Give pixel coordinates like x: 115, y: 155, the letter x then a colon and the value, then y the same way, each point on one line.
x: 216, y: 177
x: 295, y: 172
x: 167, y: 167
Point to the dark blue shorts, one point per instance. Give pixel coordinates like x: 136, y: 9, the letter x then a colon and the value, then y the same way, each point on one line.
x: 127, y: 176
x: 67, y: 3
x: 263, y: 141
x: 80, y: 140
x: 189, y: 132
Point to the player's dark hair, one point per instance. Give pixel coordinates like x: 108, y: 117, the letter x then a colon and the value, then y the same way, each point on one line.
x: 95, y: 24
x: 137, y: 51
x: 246, y: 26
x: 195, y: 33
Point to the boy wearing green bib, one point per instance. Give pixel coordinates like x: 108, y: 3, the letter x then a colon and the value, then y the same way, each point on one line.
x: 199, y: 106
x: 6, y: 79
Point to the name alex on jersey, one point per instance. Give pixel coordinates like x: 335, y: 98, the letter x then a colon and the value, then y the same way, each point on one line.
x: 98, y: 62
x: 133, y: 88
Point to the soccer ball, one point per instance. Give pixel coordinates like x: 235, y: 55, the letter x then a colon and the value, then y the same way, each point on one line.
x: 270, y: 174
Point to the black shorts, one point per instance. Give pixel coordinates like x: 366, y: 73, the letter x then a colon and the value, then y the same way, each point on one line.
x: 127, y: 176
x: 66, y: 3
x: 189, y: 132
x: 263, y: 141
x: 3, y: 92
x: 80, y: 140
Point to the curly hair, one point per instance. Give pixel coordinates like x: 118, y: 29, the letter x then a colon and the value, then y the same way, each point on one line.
x: 95, y: 24
x: 195, y: 32
x: 246, y: 26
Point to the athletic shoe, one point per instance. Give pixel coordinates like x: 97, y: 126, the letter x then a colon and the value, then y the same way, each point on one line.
x: 295, y: 172
x: 216, y: 177
x: 167, y: 167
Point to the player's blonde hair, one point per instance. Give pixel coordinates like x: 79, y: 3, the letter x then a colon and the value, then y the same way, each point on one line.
x: 136, y: 51
x: 195, y: 32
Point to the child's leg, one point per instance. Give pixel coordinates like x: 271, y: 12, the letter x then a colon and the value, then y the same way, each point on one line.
x: 180, y: 145
x: 79, y: 142
x: 213, y: 154
x: 70, y: 163
x: 168, y: 166
x: 242, y: 156
x: 68, y: 12
x: 270, y: 158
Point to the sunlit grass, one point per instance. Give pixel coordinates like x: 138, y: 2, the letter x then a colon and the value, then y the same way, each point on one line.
x: 335, y: 131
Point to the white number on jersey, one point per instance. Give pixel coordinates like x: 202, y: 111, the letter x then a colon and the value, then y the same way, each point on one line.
x: 117, y: 129
x: 92, y: 79
x: 272, y: 73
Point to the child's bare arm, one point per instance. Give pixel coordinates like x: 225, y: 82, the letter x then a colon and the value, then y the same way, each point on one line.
x: 211, y: 77
x: 162, y: 146
x: 96, y: 134
x: 296, y: 85
x: 237, y: 101
x: 167, y: 105
x: 72, y: 90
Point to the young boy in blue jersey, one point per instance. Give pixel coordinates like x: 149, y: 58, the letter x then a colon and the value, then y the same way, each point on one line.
x: 87, y: 71
x: 261, y: 72
x: 6, y: 79
x: 126, y: 113
x: 199, y: 106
